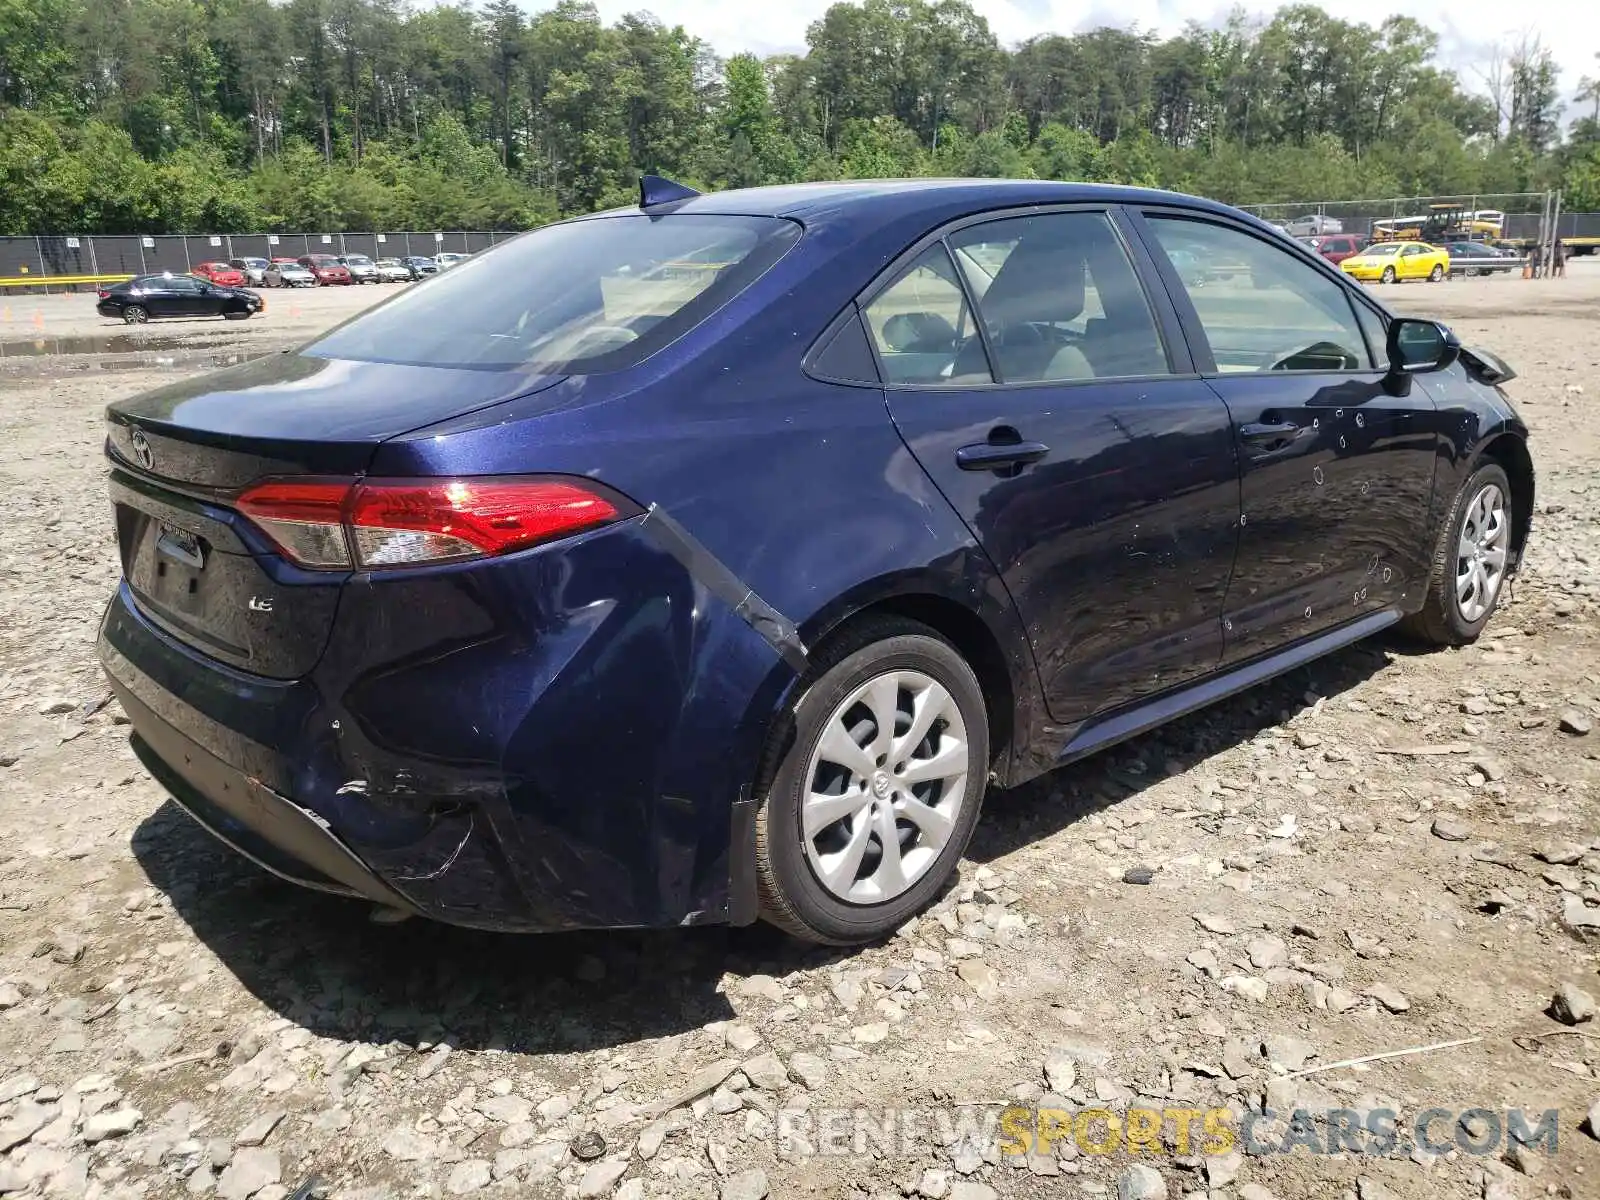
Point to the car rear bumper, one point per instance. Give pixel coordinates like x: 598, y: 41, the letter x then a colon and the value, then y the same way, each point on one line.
x: 521, y: 764
x: 272, y: 831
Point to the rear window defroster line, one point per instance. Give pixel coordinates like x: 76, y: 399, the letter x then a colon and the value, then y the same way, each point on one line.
x: 708, y: 570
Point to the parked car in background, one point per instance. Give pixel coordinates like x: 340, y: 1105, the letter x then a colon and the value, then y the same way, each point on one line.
x: 392, y: 270
x: 1313, y: 223
x: 219, y: 272
x: 362, y: 269
x: 147, y: 297
x: 420, y: 265
x: 327, y: 268
x: 446, y: 258
x: 255, y: 269
x: 287, y: 272
x: 1336, y: 247
x: 526, y: 612
x: 1475, y: 258
x: 1394, y: 262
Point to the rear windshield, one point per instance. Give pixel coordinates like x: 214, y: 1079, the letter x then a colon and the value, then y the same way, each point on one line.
x: 575, y: 298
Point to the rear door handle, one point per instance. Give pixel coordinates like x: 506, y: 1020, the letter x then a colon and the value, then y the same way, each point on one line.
x: 994, y: 456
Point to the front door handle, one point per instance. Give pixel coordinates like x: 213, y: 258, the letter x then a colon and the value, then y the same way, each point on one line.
x: 998, y: 456
x: 1268, y: 431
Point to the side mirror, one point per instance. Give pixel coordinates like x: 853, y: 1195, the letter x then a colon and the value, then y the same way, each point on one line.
x: 1417, y: 346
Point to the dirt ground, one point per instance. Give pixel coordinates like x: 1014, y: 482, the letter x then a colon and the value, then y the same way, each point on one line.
x: 1388, y: 850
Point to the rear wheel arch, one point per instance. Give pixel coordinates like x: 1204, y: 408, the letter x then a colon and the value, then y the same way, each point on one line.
x: 970, y: 635
x: 789, y: 891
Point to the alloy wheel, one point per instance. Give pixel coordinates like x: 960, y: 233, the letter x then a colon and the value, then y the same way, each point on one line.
x: 1482, y: 552
x: 134, y: 315
x: 884, y: 787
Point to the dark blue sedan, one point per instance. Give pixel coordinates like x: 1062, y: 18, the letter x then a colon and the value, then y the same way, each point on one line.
x: 710, y: 559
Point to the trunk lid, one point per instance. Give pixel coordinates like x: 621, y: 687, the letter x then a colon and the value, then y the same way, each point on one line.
x: 181, y: 453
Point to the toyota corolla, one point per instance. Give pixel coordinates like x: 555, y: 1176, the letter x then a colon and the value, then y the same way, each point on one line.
x: 709, y: 559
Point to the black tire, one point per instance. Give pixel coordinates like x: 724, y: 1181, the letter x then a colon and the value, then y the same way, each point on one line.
x: 1436, y: 274
x: 1387, y: 276
x: 236, y: 316
x: 791, y: 895
x: 135, y: 314
x: 1440, y: 621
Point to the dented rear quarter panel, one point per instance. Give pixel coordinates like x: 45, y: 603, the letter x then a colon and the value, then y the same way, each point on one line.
x: 629, y: 802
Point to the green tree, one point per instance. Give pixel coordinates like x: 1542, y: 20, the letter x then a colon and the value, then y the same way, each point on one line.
x: 41, y: 184
x: 1581, y: 185
x: 154, y: 115
x: 35, y: 59
x: 758, y: 149
x: 1535, y: 97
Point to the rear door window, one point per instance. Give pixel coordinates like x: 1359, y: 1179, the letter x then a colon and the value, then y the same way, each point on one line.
x: 1059, y: 299
x: 579, y: 297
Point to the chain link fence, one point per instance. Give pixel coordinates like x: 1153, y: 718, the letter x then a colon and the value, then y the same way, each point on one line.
x: 62, y: 263
x: 1520, y: 218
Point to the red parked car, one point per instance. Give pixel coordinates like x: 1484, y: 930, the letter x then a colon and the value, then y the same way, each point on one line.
x: 1336, y: 247
x: 219, y: 272
x: 326, y: 268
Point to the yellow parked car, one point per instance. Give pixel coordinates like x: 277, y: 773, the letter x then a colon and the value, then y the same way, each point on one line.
x: 1389, y: 262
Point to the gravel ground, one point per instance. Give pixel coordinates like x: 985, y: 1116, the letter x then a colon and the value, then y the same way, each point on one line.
x: 1388, y: 850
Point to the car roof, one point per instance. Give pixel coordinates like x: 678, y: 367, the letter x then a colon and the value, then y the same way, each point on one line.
x: 888, y: 200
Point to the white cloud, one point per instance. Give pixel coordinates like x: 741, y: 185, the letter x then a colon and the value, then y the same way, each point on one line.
x: 1467, y: 28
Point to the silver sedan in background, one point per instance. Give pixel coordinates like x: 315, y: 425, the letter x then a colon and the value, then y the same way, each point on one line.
x: 285, y: 272
x: 392, y: 270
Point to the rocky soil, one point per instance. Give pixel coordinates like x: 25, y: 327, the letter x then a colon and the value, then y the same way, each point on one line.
x: 1390, y: 850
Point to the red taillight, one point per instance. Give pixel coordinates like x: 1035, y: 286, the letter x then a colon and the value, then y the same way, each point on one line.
x: 103, y: 294
x: 398, y: 522
x: 411, y: 522
x: 303, y: 516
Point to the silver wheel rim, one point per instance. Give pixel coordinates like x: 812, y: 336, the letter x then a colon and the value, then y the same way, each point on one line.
x: 1481, y: 553
x: 885, y: 787
x: 134, y: 316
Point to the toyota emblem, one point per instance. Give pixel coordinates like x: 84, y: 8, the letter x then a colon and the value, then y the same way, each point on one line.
x: 141, y: 449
